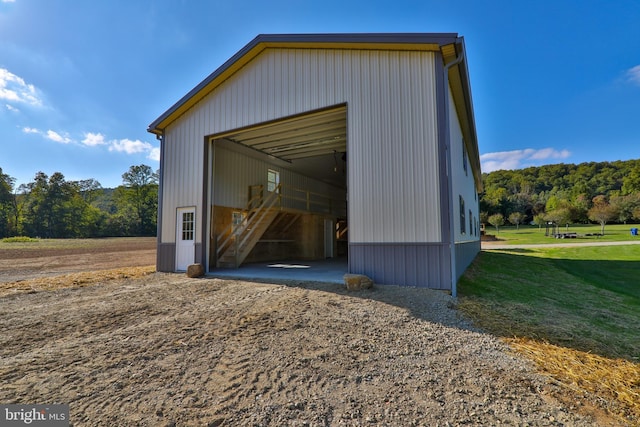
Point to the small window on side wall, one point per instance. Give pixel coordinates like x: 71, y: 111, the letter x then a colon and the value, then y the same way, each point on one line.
x: 273, y: 180
x: 464, y: 157
x: 463, y: 222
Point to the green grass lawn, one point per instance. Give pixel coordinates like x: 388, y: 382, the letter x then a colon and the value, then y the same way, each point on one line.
x: 532, y: 234
x: 586, y: 298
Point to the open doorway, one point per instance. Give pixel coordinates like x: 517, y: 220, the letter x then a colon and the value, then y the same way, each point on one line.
x: 277, y: 186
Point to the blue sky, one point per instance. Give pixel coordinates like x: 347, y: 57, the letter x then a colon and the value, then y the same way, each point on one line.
x: 553, y: 81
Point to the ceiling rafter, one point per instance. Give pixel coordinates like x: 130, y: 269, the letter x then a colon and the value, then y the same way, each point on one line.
x: 314, y: 134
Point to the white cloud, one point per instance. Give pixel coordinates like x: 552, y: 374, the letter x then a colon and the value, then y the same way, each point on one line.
x: 154, y: 154
x: 15, y: 89
x: 97, y: 139
x: 130, y: 147
x: 8, y: 1
x: 134, y: 147
x: 633, y: 75
x: 12, y: 108
x: 93, y: 139
x: 55, y: 136
x: 517, y: 159
x: 549, y: 153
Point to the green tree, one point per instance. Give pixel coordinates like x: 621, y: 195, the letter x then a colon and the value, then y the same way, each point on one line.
x: 517, y: 218
x: 39, y: 213
x: 139, y: 195
x: 55, y: 208
x: 631, y: 181
x: 495, y: 200
x: 6, y: 205
x: 497, y: 220
x: 602, y: 212
x: 36, y: 211
x: 580, y: 206
x: 560, y: 216
x: 15, y: 223
x: 625, y: 206
x: 89, y: 189
x: 484, y: 217
x: 539, y: 220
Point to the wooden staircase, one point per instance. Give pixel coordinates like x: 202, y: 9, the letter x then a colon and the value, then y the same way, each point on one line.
x: 266, y: 220
x: 241, y: 244
x: 235, y: 244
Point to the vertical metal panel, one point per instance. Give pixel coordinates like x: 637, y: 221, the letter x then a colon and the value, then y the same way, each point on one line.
x: 463, y: 183
x: 466, y: 252
x: 166, y: 257
x: 183, y: 171
x: 413, y: 264
x: 384, y: 131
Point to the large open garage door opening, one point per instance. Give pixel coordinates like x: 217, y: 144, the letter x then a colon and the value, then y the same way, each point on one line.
x: 279, y: 191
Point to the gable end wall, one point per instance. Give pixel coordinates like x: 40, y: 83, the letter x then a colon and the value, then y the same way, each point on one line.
x: 394, y: 156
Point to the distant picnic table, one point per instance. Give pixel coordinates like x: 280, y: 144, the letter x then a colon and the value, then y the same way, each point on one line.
x: 566, y: 235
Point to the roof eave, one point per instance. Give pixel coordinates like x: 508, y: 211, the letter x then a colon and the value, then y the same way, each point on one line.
x: 467, y: 116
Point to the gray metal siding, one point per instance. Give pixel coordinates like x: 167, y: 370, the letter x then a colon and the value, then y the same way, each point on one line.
x: 166, y: 257
x: 462, y: 181
x: 183, y: 172
x: 466, y: 252
x: 199, y: 254
x: 392, y: 135
x: 411, y: 264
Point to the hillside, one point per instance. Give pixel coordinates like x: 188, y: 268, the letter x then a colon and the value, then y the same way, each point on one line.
x: 539, y: 191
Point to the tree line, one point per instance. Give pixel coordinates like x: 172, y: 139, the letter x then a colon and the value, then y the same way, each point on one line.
x: 52, y: 207
x: 593, y: 192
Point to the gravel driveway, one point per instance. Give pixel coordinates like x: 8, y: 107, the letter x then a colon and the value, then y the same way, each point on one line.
x: 166, y: 350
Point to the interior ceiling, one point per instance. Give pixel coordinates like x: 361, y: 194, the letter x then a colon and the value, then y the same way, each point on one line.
x: 314, y: 144
x: 310, y: 135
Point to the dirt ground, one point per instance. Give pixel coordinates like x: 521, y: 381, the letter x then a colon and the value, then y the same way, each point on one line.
x: 166, y: 350
x: 27, y: 261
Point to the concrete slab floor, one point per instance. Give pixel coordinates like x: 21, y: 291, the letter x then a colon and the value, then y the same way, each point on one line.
x: 330, y: 270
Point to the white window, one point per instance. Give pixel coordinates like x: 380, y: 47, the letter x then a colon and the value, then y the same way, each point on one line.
x: 187, y: 225
x: 273, y: 179
x: 237, y: 217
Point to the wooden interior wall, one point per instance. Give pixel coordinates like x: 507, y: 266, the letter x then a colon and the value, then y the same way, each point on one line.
x: 304, y: 240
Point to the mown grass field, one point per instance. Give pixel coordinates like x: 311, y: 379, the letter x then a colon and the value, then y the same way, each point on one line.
x: 532, y: 234
x: 576, y: 310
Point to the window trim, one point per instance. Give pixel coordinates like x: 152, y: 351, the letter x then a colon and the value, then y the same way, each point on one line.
x: 464, y: 158
x: 273, y: 184
x: 188, y: 226
x: 463, y: 218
